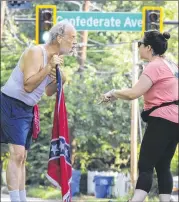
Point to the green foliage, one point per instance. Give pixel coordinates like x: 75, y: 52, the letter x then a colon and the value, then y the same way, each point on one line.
x: 44, y: 192
x: 100, y: 134
x: 175, y: 163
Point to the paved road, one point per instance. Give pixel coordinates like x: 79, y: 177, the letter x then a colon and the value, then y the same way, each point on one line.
x: 175, y: 198
x: 5, y: 198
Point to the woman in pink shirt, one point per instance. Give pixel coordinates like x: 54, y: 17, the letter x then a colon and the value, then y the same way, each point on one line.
x: 158, y: 84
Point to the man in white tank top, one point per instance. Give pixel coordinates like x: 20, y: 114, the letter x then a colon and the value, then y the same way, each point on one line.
x: 34, y: 74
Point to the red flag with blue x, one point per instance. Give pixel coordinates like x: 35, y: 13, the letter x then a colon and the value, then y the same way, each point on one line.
x: 59, y: 166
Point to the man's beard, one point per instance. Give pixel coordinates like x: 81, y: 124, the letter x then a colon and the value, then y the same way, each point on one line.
x: 64, y: 51
x: 73, y: 52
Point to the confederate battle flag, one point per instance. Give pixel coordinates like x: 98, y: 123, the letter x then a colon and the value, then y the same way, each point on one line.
x: 59, y: 166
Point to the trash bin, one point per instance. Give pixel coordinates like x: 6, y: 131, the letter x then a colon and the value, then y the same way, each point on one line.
x: 103, y: 185
x: 75, y: 183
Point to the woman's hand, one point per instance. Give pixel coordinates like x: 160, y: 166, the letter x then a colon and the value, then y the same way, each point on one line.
x: 108, y: 97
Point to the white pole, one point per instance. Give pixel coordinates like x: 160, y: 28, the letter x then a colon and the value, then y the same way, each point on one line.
x: 134, y: 117
x: 140, y: 124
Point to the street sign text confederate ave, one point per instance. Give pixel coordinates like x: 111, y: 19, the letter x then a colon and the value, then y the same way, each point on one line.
x: 123, y: 21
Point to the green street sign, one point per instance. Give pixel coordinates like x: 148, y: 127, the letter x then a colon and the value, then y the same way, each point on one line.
x: 96, y: 21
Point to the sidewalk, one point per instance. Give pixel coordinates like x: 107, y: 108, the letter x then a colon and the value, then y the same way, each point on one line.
x: 5, y: 198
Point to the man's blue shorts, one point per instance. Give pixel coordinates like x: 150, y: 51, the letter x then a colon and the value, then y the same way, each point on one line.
x: 16, y: 122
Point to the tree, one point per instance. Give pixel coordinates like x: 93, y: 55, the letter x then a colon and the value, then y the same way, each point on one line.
x: 100, y: 135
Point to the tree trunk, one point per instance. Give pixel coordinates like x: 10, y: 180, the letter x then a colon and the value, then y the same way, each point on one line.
x: 3, y: 7
x: 84, y: 39
x: 73, y: 145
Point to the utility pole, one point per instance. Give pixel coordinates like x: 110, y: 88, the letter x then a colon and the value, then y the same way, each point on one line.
x: 3, y: 7
x: 134, y: 118
x: 84, y: 38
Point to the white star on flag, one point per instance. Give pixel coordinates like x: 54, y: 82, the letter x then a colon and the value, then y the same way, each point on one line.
x: 54, y: 148
x: 66, y: 152
x: 58, y: 86
x: 62, y: 146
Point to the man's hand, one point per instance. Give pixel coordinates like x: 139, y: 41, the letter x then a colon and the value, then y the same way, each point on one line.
x: 52, y: 87
x: 55, y: 60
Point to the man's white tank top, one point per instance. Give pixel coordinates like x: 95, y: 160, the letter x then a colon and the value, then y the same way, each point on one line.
x: 14, y: 87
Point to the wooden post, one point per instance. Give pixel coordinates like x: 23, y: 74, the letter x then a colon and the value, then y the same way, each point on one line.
x: 84, y: 38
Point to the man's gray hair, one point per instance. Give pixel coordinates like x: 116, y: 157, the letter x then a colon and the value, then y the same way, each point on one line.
x: 58, y: 29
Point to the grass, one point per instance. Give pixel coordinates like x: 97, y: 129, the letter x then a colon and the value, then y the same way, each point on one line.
x: 53, y: 193
x: 44, y: 192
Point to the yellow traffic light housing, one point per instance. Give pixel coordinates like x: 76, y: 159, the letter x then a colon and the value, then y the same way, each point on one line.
x: 152, y: 19
x: 45, y: 19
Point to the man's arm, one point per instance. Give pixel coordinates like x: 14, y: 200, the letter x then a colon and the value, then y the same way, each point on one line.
x: 34, y: 74
x: 52, y: 87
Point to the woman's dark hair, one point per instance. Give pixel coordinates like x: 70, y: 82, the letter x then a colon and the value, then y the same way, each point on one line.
x: 157, y: 41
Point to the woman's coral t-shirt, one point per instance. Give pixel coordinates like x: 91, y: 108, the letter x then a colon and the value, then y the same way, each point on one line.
x: 164, y: 89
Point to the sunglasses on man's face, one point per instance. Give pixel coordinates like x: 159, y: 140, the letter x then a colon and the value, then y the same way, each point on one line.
x: 140, y: 43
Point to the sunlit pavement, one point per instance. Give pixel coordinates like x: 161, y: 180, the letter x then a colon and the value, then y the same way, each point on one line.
x: 175, y: 198
x: 5, y: 198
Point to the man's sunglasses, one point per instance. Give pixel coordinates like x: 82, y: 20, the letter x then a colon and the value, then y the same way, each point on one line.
x: 140, y: 43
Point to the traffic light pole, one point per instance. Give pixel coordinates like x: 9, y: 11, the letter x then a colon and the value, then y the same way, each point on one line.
x: 134, y: 118
x: 33, y: 19
x: 171, y: 22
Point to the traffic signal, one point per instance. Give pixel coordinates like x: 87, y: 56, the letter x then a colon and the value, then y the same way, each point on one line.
x: 19, y: 4
x: 45, y: 19
x: 152, y: 19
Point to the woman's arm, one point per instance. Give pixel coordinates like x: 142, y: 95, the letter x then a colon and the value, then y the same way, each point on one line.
x: 140, y: 88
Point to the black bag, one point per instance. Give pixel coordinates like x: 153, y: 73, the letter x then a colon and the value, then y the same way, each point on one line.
x: 145, y: 114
